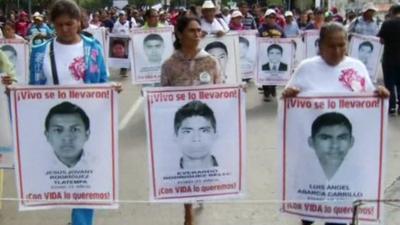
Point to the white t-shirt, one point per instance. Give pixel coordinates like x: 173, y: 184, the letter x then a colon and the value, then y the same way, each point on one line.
x: 70, y: 63
x: 121, y: 28
x: 215, y: 26
x: 315, y: 75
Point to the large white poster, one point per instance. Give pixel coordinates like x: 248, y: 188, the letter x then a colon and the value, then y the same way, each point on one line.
x: 119, y: 51
x: 299, y: 52
x: 331, y: 156
x: 17, y: 52
x: 151, y: 47
x: 226, y: 50
x: 6, y: 150
x: 248, y: 53
x: 67, y: 156
x: 368, y: 50
x: 196, y: 140
x: 275, y: 61
x: 311, y: 40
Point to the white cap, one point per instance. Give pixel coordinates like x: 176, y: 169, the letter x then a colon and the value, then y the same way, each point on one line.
x: 288, y: 13
x: 208, y: 4
x: 369, y: 6
x: 37, y: 15
x: 121, y: 13
x: 269, y: 12
x: 236, y: 13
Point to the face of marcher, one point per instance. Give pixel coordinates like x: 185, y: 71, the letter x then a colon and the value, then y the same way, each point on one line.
x: 67, y: 135
x: 208, y: 14
x: 9, y: 31
x: 196, y: 137
x: 221, y: 56
x: 333, y: 48
x: 154, y: 50
x: 331, y: 145
x: 191, y: 35
x: 118, y: 51
x: 364, y: 53
x: 67, y: 29
x: 153, y: 19
x: 275, y: 56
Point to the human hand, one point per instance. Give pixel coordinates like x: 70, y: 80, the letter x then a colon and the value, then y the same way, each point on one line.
x: 290, y: 92
x: 382, y: 92
x: 220, y: 33
x: 117, y: 87
x: 7, y: 80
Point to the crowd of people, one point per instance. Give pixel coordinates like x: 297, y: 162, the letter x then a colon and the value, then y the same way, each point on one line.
x: 58, y: 31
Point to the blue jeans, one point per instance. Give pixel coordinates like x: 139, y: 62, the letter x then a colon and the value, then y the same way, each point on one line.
x: 82, y: 216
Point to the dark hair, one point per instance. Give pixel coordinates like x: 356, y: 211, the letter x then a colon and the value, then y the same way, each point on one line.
x: 244, y: 40
x: 148, y: 12
x: 10, y: 24
x: 9, y: 48
x: 275, y: 46
x: 181, y: 25
x: 216, y: 44
x: 367, y: 44
x: 329, y: 28
x: 330, y: 119
x: 395, y: 9
x: 65, y: 108
x: 316, y: 42
x: 152, y: 37
x: 242, y: 4
x: 118, y: 42
x: 65, y: 7
x: 194, y: 108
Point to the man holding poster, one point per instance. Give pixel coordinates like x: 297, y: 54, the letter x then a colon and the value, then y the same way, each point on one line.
x: 342, y: 74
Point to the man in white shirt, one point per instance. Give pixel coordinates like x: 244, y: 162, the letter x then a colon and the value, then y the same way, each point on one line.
x: 209, y: 23
x: 121, y: 26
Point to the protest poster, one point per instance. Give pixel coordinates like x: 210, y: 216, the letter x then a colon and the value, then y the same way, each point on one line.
x: 299, y: 55
x: 248, y: 53
x: 226, y: 50
x: 119, y: 51
x: 311, y: 40
x: 17, y: 52
x: 67, y: 156
x: 368, y: 50
x: 331, y: 156
x: 6, y: 150
x: 274, y: 61
x: 151, y: 47
x: 196, y: 141
x: 100, y: 35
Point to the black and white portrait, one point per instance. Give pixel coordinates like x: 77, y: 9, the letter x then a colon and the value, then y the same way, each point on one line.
x: 248, y: 53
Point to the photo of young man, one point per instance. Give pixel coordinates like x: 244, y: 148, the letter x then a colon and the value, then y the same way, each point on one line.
x: 331, y: 139
x: 153, y: 46
x: 118, y: 49
x: 195, y: 134
x: 246, y: 64
x: 275, y: 63
x: 67, y: 129
x: 365, y: 50
x: 220, y: 52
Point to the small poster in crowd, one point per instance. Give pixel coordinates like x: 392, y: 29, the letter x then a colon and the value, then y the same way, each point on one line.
x: 299, y: 53
x: 226, y: 50
x: 331, y: 157
x: 368, y: 50
x: 248, y: 53
x: 311, y: 40
x: 196, y: 140
x: 68, y: 155
x: 100, y: 35
x: 119, y: 51
x: 17, y: 52
x: 6, y: 149
x: 151, y: 47
x: 275, y: 60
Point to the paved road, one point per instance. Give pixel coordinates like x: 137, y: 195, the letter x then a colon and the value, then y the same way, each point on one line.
x: 258, y: 208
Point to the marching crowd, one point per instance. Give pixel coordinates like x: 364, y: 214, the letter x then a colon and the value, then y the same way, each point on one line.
x: 58, y: 31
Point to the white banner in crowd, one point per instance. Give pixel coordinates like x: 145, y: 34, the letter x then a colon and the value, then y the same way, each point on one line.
x: 275, y: 60
x: 6, y: 150
x: 100, y: 35
x: 311, y: 40
x: 248, y: 52
x: 196, y: 140
x: 18, y: 53
x: 67, y: 156
x: 368, y: 49
x: 331, y: 156
x: 226, y: 50
x: 299, y: 54
x: 151, y: 47
x: 119, y: 51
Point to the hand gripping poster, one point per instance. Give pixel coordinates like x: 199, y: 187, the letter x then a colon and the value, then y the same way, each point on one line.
x: 17, y: 52
x: 67, y: 153
x: 311, y: 40
x: 151, y: 47
x: 248, y: 53
x: 196, y: 141
x: 226, y: 50
x: 368, y: 50
x: 332, y: 155
x: 274, y: 61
